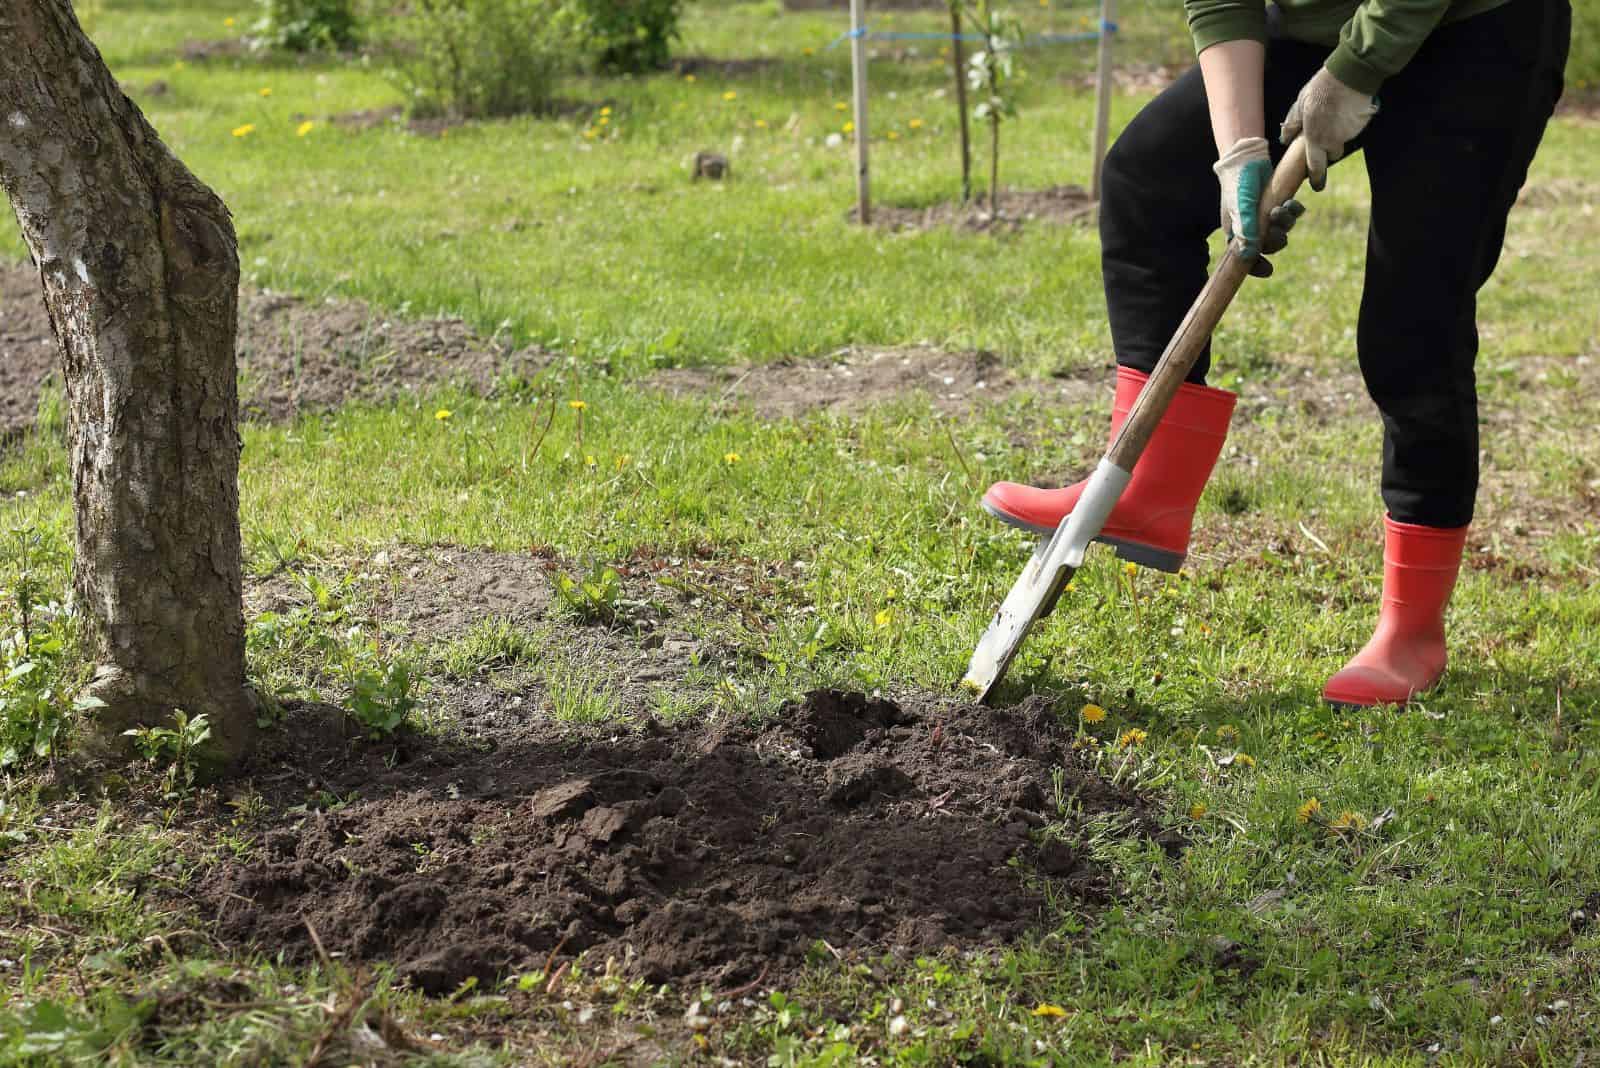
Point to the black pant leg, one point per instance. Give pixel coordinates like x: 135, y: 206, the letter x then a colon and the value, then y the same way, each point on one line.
x: 1447, y: 154
x: 1159, y: 205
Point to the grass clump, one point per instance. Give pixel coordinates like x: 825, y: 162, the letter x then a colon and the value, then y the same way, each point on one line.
x: 40, y: 671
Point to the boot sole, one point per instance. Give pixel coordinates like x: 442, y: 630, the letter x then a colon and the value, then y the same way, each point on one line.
x: 1350, y: 706
x: 1134, y: 552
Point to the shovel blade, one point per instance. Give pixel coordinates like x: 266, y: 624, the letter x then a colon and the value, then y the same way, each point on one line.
x: 1031, y: 598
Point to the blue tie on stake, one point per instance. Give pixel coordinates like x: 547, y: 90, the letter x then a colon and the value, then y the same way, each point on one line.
x: 1032, y: 41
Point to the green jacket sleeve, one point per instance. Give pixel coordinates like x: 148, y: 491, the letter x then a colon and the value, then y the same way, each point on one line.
x: 1380, y: 39
x: 1216, y: 21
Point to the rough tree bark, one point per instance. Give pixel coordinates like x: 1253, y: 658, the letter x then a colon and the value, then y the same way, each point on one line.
x: 141, y: 274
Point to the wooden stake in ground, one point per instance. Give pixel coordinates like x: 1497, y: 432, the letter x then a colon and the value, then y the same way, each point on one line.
x: 959, y: 62
x: 1102, y: 95
x: 858, y: 78
x: 141, y: 275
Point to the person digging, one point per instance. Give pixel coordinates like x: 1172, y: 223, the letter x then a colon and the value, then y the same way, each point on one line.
x: 1467, y: 88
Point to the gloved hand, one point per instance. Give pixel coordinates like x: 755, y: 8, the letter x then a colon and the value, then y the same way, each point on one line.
x: 1330, y: 114
x: 1244, y: 172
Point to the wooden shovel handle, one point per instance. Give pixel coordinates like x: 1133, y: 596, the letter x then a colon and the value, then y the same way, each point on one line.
x: 1204, y: 314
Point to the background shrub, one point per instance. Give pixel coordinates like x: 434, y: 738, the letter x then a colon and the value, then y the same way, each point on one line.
x: 479, y: 58
x: 632, y: 36
x: 308, y: 25
x: 1583, y: 65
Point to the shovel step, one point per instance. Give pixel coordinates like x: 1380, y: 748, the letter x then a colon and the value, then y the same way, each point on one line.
x: 1132, y: 551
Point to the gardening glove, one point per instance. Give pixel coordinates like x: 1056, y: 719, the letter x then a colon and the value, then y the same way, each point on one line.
x: 1330, y: 114
x: 1244, y: 172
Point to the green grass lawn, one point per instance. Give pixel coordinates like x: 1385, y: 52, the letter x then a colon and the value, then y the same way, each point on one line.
x: 1445, y: 933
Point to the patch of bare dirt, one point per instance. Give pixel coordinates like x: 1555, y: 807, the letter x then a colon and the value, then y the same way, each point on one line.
x: 1558, y: 192
x: 197, y: 51
x: 725, y: 855
x: 1018, y: 208
x: 741, y: 67
x: 651, y: 654
x: 1142, y: 79
x: 844, y: 5
x: 27, y: 350
x: 857, y: 379
x: 1524, y: 502
x: 373, y: 118
x: 294, y: 355
x: 298, y: 355
x: 1579, y: 104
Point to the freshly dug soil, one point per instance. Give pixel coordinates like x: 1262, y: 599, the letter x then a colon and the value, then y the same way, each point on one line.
x: 720, y: 856
x: 1058, y: 204
x: 294, y: 355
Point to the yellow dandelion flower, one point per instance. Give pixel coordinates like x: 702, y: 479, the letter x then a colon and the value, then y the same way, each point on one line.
x: 915, y: 124
x: 1092, y: 713
x: 688, y: 77
x: 893, y: 136
x: 884, y: 617
x: 1132, y: 737
x: 841, y: 106
x: 589, y: 134
x: 849, y: 127
x: 1227, y: 732
x: 731, y: 457
x: 1244, y: 760
x: 1130, y: 568
x: 244, y: 131
x: 589, y: 460
x: 304, y: 128
x: 605, y: 111
x: 577, y: 405
x: 265, y: 90
x: 1197, y: 811
x: 1348, y: 821
x: 1087, y: 741
x: 622, y: 461
x: 1050, y: 1010
x: 761, y: 124
x: 442, y: 414
x: 730, y: 95
x: 228, y: 22
x: 1308, y: 811
x: 808, y: 51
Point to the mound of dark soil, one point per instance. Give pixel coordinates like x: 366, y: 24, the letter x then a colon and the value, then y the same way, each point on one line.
x: 717, y: 856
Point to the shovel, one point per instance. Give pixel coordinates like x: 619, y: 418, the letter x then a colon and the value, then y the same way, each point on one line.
x: 1057, y: 557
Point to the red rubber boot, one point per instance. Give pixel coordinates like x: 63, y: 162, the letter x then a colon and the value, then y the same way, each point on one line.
x: 1406, y: 655
x: 1151, y: 523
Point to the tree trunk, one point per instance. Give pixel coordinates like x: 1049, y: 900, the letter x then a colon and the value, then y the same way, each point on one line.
x: 994, y: 165
x: 140, y: 268
x: 958, y: 61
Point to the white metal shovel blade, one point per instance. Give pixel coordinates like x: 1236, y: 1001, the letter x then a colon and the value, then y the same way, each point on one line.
x: 1034, y: 594
x: 1029, y: 598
